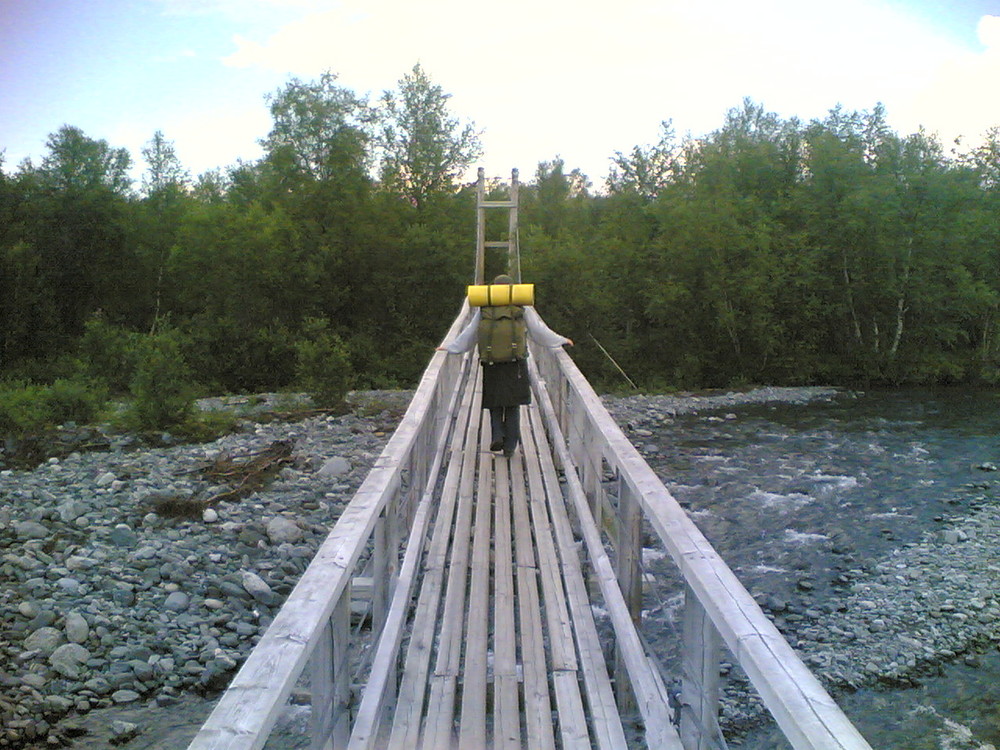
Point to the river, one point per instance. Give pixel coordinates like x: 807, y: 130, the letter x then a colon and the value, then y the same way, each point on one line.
x: 793, y: 496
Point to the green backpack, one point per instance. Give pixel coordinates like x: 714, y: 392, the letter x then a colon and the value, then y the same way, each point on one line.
x: 502, y: 334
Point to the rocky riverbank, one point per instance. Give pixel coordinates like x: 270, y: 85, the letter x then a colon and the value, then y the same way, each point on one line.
x: 122, y: 583
x: 126, y: 596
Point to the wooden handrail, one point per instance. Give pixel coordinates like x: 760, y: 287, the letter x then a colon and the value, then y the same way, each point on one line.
x: 247, y: 711
x: 808, y: 716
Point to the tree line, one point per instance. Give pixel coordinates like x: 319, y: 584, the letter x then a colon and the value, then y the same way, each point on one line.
x: 770, y: 250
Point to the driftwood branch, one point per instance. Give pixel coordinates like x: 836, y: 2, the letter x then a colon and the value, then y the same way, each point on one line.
x: 247, y: 474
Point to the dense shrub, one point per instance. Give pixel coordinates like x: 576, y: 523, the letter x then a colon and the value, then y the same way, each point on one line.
x: 76, y: 400
x: 110, y: 353
x: 322, y: 364
x: 231, y: 357
x: 27, y: 409
x: 162, y: 388
x: 24, y: 409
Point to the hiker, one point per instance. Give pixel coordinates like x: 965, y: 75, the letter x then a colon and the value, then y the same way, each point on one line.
x: 500, y: 332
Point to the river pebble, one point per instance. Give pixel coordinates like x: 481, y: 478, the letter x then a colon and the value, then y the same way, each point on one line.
x: 107, y: 600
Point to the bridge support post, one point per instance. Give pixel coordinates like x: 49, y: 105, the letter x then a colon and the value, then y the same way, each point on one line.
x: 385, y: 564
x: 385, y: 571
x: 629, y: 548
x: 702, y: 646
x: 329, y: 721
x: 629, y: 573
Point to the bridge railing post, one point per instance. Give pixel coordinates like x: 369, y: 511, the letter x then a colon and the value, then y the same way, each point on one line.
x: 701, y: 654
x: 628, y: 570
x: 330, y: 676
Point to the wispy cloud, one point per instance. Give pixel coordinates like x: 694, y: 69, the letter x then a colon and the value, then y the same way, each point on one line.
x: 180, y: 55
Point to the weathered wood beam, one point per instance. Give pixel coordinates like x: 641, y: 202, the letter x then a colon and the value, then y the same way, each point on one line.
x: 808, y: 716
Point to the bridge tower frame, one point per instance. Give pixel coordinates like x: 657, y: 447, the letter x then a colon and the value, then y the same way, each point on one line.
x: 511, y: 244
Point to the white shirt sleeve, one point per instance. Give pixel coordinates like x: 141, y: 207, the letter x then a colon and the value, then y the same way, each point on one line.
x: 541, y: 333
x: 468, y: 338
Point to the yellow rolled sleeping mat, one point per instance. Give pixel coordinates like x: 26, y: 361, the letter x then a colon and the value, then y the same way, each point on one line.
x: 495, y: 295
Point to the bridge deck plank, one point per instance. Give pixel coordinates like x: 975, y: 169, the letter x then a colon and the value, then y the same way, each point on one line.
x: 408, y: 714
x: 537, y: 701
x: 503, y: 650
x: 473, y: 716
x: 604, y: 718
x: 573, y: 731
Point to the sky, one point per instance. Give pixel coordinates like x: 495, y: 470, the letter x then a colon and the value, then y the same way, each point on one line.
x: 574, y: 79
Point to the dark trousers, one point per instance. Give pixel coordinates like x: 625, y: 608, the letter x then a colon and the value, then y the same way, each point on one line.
x: 505, y: 424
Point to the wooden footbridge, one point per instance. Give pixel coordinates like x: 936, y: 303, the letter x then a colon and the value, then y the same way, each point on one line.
x: 479, y: 578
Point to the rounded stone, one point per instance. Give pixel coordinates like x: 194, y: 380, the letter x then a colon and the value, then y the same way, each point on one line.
x: 105, y: 479
x: 30, y: 530
x: 71, y: 510
x: 177, y: 601
x: 45, y: 640
x: 35, y: 680
x: 123, y: 730
x: 98, y: 686
x: 76, y: 628
x: 57, y: 704
x: 125, y: 696
x: 334, y: 467
x: 256, y: 587
x: 281, y: 530
x: 69, y: 585
x: 123, y: 536
x: 68, y: 658
x: 79, y: 562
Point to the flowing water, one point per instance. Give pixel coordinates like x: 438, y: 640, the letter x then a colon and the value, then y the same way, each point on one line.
x: 791, y: 496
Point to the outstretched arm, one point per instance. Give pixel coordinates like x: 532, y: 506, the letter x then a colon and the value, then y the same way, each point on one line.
x: 541, y: 333
x: 464, y: 341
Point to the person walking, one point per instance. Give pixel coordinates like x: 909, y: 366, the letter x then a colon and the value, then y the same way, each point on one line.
x: 501, y: 332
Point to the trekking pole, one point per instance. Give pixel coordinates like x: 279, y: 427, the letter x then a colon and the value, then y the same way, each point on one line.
x: 613, y: 362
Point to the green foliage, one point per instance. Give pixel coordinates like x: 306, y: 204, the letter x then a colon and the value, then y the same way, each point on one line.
x: 769, y: 250
x: 204, y: 427
x: 29, y: 409
x: 424, y: 147
x: 110, y: 353
x: 321, y: 130
x: 322, y: 364
x: 162, y: 387
x: 235, y: 357
x: 76, y: 400
x: 24, y: 409
x: 78, y: 163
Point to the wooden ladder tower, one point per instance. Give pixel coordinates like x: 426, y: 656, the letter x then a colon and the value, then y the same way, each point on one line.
x: 511, y: 243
